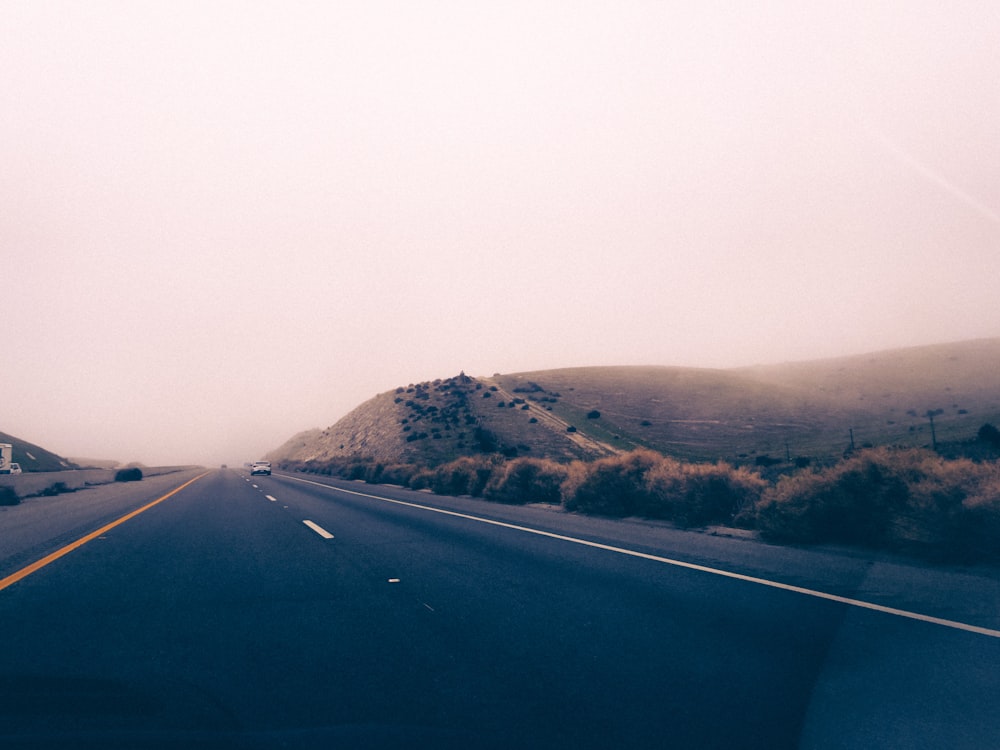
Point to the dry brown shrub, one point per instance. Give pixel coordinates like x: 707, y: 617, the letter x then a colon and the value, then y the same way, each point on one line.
x: 906, y: 500
x: 614, y: 486
x: 526, y: 480
x: 467, y: 475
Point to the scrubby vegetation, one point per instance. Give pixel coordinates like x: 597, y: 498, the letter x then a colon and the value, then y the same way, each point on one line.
x: 8, y: 496
x: 905, y: 500
x: 644, y: 483
x: 527, y: 480
x: 56, y: 488
x: 132, y: 474
x: 464, y: 476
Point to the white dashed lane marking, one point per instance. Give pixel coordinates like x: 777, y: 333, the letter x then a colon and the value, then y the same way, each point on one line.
x: 319, y: 529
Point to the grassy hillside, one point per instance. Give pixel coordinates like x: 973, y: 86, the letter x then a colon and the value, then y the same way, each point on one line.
x: 796, y: 410
x: 808, y: 409
x: 33, y: 458
x: 886, y: 395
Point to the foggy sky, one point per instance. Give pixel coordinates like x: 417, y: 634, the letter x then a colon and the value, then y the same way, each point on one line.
x: 225, y: 222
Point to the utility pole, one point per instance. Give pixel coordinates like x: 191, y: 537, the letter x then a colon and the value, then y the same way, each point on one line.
x: 930, y: 415
x: 852, y: 439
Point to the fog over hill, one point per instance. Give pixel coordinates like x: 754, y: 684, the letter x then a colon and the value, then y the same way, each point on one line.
x: 227, y: 222
x: 813, y: 409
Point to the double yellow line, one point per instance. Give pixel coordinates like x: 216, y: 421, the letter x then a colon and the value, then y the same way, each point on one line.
x: 38, y: 565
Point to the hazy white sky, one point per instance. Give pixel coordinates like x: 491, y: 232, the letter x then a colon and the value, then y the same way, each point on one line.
x: 225, y: 222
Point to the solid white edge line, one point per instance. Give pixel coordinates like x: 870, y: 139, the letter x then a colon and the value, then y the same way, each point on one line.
x: 319, y: 529
x: 681, y: 564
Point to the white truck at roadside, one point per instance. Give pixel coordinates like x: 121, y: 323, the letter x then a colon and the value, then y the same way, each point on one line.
x: 6, y: 459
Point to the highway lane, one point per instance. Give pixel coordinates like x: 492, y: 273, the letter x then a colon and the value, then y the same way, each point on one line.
x: 40, y: 525
x: 968, y: 595
x: 954, y: 688
x: 219, y: 617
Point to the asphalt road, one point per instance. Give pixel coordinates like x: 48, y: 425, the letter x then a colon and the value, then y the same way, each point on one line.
x: 219, y: 618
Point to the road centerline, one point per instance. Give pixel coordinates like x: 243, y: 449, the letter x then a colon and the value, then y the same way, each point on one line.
x: 859, y: 603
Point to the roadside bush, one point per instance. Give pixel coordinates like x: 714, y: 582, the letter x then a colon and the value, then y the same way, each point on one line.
x: 853, y: 502
x: 463, y: 476
x: 613, y: 486
x: 58, y: 488
x: 400, y: 474
x: 526, y: 480
x: 910, y: 501
x: 952, y: 510
x: 422, y: 479
x: 702, y: 494
x: 978, y: 535
x: 358, y: 471
x: 375, y: 473
x: 936, y: 489
x: 133, y: 474
x: 8, y: 496
x: 644, y: 483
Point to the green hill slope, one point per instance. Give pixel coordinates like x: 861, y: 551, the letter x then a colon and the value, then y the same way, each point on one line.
x: 806, y: 409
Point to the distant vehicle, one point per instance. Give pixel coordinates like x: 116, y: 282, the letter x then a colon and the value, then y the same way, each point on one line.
x: 260, y: 467
x: 15, y: 468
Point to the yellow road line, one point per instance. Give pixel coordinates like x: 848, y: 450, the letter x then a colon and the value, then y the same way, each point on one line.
x: 39, y: 564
